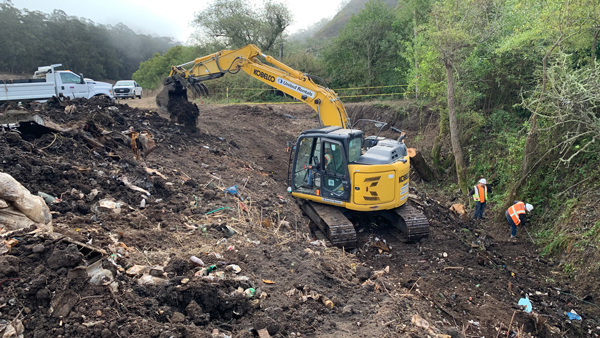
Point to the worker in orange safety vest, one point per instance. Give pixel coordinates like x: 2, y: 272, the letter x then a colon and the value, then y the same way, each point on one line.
x: 516, y: 216
x: 480, y: 195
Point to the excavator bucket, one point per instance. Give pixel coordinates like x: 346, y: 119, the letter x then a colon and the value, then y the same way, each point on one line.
x: 175, y: 90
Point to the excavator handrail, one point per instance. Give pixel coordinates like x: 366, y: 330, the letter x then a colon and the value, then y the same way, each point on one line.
x: 323, y: 100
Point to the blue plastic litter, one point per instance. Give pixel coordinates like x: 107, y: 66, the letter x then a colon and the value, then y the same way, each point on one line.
x: 525, y: 302
x: 232, y: 190
x: 573, y: 316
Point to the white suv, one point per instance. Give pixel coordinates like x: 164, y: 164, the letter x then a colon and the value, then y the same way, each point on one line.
x: 127, y: 89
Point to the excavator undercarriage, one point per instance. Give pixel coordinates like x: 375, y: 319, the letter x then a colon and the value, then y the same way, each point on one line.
x: 335, y: 222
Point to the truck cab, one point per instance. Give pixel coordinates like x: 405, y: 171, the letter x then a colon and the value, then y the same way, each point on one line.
x: 127, y: 89
x: 48, y: 82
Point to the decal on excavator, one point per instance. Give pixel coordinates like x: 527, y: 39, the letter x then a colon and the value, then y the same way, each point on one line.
x: 264, y: 75
x: 296, y: 88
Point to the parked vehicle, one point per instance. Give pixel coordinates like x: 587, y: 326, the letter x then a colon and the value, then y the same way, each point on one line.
x: 125, y: 89
x: 48, y: 82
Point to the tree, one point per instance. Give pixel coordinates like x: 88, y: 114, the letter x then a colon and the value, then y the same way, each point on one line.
x: 549, y: 26
x: 459, y: 26
x: 238, y: 24
x: 366, y: 51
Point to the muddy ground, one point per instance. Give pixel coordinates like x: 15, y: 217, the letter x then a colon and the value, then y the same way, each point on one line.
x: 464, y: 280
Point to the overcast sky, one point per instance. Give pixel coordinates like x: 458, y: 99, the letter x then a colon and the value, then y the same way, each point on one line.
x: 168, y: 18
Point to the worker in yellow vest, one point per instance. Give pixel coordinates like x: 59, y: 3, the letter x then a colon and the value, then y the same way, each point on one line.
x: 480, y: 195
x: 516, y: 216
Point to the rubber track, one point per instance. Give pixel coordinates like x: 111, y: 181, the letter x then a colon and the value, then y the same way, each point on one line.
x: 413, y: 224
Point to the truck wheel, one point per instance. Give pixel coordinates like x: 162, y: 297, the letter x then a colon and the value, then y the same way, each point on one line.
x: 140, y: 96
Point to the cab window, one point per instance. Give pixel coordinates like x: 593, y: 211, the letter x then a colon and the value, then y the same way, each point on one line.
x: 354, y: 148
x: 333, y: 159
x: 70, y: 78
x: 308, y: 150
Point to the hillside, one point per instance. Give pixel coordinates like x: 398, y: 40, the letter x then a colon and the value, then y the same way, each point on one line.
x: 339, y: 20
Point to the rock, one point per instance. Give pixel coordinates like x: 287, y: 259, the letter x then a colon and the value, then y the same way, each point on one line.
x: 6, y: 268
x: 363, y: 273
x: 106, y: 333
x: 209, y: 194
x: 177, y: 317
x: 347, y: 310
x: 38, y: 248
x: 194, y: 311
x: 69, y: 257
x: 43, y: 294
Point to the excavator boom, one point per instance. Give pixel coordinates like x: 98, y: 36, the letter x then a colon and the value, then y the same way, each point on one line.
x: 280, y: 76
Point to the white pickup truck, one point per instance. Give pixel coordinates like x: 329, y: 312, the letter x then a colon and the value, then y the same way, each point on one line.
x: 48, y: 82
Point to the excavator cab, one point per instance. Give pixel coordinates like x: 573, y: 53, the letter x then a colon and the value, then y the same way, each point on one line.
x: 320, y: 166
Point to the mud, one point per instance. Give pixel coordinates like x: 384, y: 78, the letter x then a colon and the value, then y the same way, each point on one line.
x: 465, y: 279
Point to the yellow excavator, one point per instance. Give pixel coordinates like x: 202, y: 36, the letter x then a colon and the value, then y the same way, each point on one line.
x: 336, y: 172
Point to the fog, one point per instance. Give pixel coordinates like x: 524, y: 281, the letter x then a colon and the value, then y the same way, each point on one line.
x: 167, y: 18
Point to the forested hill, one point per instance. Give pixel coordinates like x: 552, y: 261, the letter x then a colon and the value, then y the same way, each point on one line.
x: 31, y: 39
x: 336, y: 24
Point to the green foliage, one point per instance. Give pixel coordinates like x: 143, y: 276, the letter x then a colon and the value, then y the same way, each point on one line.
x: 237, y: 24
x: 365, y: 52
x: 33, y: 39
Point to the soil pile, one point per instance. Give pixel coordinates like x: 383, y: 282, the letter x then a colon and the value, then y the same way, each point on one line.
x: 126, y: 227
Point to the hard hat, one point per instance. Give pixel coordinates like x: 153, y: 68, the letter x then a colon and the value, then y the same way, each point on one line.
x: 529, y: 207
x: 483, y: 181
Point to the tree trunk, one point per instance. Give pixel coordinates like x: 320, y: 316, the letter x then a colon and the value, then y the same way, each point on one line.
x: 416, y: 60
x: 418, y: 162
x: 594, y: 46
x: 454, y: 139
x: 437, y: 143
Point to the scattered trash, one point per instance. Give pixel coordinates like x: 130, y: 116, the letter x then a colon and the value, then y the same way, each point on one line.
x: 327, y: 302
x: 228, y: 231
x: 223, y: 208
x: 526, y: 303
x: 155, y: 172
x: 92, y: 195
x: 267, y: 281
x: 318, y: 243
x: 474, y: 323
x: 5, y: 245
x: 12, y: 329
x: 263, y: 333
x: 380, y: 273
x: 418, y: 321
x: 152, y: 280
x: 133, y: 187
x: 185, y: 281
x: 573, y: 315
x: 250, y: 292
x: 196, y: 261
x: 381, y: 246
x: 231, y: 190
x: 22, y: 208
x: 236, y: 269
x: 143, y: 203
x: 106, y: 205
x: 48, y: 198
x: 99, y: 275
x: 253, y: 242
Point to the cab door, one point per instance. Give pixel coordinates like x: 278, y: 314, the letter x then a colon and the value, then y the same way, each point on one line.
x: 72, y: 85
x: 333, y: 167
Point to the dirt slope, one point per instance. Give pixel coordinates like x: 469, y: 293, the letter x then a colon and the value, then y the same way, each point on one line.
x: 465, y: 277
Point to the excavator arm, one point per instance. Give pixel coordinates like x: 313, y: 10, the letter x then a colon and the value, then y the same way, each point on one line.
x: 191, y: 75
